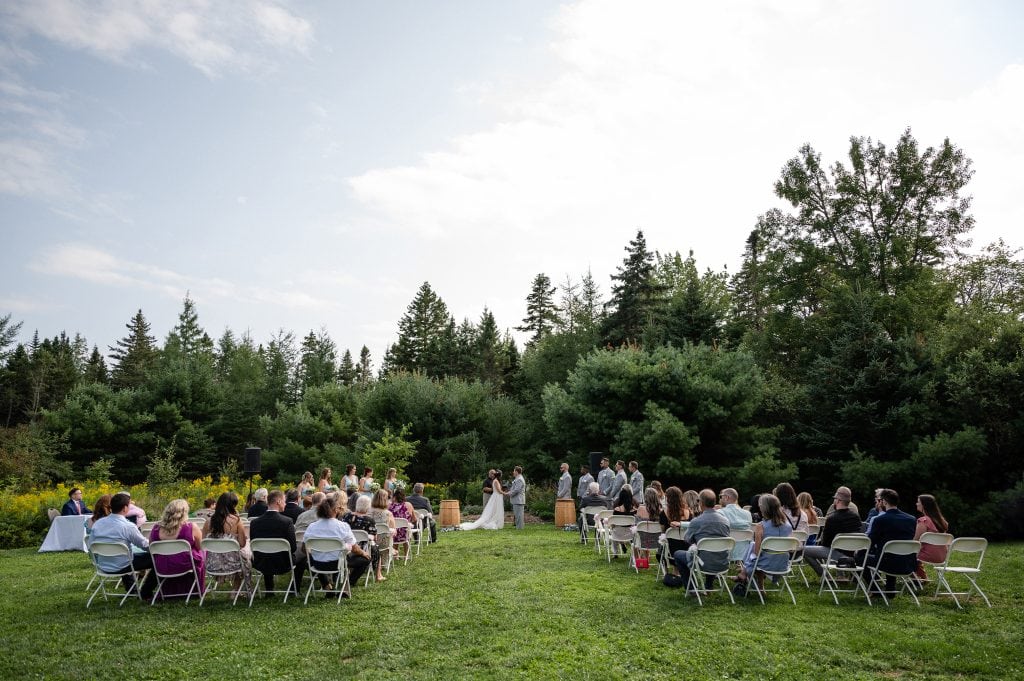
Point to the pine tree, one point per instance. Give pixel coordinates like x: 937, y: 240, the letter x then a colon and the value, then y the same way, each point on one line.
x: 134, y: 355
x: 187, y: 340
x: 638, y: 299
x: 541, y: 311
x: 491, y: 356
x: 279, y: 360
x: 364, y: 371
x: 8, y: 332
x: 226, y: 348
x: 317, y: 359
x: 95, y: 369
x: 347, y: 369
x: 419, y: 329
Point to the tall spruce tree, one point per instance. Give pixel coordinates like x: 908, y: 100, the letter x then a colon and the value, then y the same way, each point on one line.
x: 134, y: 356
x: 419, y: 330
x: 638, y: 298
x: 541, y: 311
x: 317, y: 360
x: 95, y: 369
x: 364, y: 370
x: 347, y: 369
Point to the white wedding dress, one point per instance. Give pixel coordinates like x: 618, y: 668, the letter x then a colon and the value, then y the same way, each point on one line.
x: 493, y: 516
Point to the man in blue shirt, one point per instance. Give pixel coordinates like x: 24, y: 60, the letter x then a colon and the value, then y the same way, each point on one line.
x: 117, y: 528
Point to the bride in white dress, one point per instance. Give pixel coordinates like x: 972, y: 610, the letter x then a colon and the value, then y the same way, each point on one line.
x: 493, y: 516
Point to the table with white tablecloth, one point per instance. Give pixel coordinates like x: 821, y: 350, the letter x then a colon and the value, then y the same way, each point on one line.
x: 67, y: 533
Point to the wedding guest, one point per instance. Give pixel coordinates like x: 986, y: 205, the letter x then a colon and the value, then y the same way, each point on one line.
x: 421, y: 503
x: 391, y: 480
x: 366, y: 482
x: 656, y: 484
x: 117, y: 528
x: 624, y: 502
x: 226, y: 524
x: 400, y: 508
x: 774, y: 523
x: 275, y: 525
x: 350, y: 481
x: 309, y: 516
x: 890, y: 524
x: 379, y: 509
x: 135, y: 514
x: 692, y: 500
x: 786, y: 495
x: 359, y: 519
x: 292, y: 509
x: 328, y: 526
x: 325, y: 480
x: 259, y: 503
x: 931, y: 520
x: 74, y: 505
x: 175, y: 525
x: 651, y: 508
x: 593, y: 499
x: 306, y: 485
x: 101, y: 509
x: 739, y: 519
x: 710, y: 523
x: 806, y: 502
x: 841, y: 521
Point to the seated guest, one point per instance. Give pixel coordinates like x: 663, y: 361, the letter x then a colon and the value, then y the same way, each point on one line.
x: 676, y: 512
x: 275, y: 525
x: 624, y: 502
x: 379, y: 509
x: 774, y: 523
x: 421, y: 503
x: 359, y: 519
x: 692, y: 500
x: 175, y: 525
x: 209, y: 506
x: 292, y: 509
x: 101, y: 510
x: 651, y: 508
x: 259, y: 503
x: 400, y: 508
x: 74, y: 505
x: 593, y: 499
x: 660, y: 492
x: 135, y: 514
x: 307, y: 517
x: 739, y: 519
x: 710, y: 523
x: 875, y: 510
x: 328, y: 526
x: 840, y: 521
x: 117, y: 528
x: 786, y: 495
x: 891, y: 523
x: 931, y: 520
x: 225, y: 524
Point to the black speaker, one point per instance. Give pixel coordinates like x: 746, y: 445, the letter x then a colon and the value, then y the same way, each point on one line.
x: 595, y: 463
x: 252, y: 460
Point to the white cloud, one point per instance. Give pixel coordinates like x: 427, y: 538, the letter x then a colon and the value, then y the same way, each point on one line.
x: 676, y: 118
x: 88, y: 263
x: 211, y: 36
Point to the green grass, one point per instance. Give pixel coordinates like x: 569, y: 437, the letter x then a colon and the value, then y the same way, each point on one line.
x: 530, y: 604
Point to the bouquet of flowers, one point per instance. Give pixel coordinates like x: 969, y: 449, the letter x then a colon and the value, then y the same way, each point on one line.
x: 374, y: 487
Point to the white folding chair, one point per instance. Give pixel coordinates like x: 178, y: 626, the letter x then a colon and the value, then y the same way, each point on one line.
x: 272, y: 545
x: 698, y: 574
x: 106, y: 549
x: 962, y: 545
x: 601, y: 529
x: 895, y: 548
x: 933, y: 539
x: 147, y: 527
x: 646, y: 539
x: 423, y: 520
x: 52, y: 513
x: 797, y: 560
x: 364, y: 540
x: 744, y: 538
x: 842, y: 547
x: 586, y: 525
x: 415, y: 533
x: 384, y: 546
x: 675, y: 534
x: 774, y: 546
x: 174, y: 547
x: 620, y: 534
x: 402, y: 523
x: 222, y: 546
x: 337, y: 576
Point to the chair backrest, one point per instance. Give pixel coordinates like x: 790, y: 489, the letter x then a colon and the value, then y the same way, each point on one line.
x: 901, y: 547
x: 851, y: 542
x: 648, y: 527
x: 422, y: 514
x: 383, y: 528
x: 220, y: 544
x: 620, y: 527
x: 109, y: 549
x: 271, y: 545
x: 300, y: 535
x: 742, y: 535
x: 403, y: 524
x: 362, y: 537
x: 147, y: 526
x: 323, y: 545
x: 937, y: 538
x: 675, y: 533
x: 169, y: 547
x: 968, y: 545
x: 52, y: 513
x: 779, y: 544
x: 715, y: 545
x: 605, y: 513
x: 812, y: 531
x: 621, y: 521
x: 800, y: 536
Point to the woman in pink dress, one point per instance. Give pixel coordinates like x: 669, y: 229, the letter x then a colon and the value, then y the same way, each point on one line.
x: 931, y: 520
x: 400, y: 508
x: 175, y: 525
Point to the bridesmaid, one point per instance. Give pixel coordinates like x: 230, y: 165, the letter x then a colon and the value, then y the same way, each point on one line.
x: 325, y: 480
x: 350, y: 482
x: 391, y: 481
x: 366, y: 482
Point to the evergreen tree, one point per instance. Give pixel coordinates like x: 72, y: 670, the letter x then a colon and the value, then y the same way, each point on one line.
x: 491, y: 357
x: 698, y: 304
x: 279, y: 360
x: 317, y: 360
x: 134, y: 356
x: 8, y: 332
x: 187, y: 339
x: 419, y: 330
x: 347, y: 369
x: 96, y: 368
x: 226, y: 347
x: 364, y: 370
x: 638, y: 299
x: 541, y: 311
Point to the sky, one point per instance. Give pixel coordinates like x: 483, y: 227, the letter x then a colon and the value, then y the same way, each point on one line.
x: 308, y: 165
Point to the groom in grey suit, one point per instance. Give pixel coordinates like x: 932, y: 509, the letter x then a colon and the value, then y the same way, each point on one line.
x: 517, y: 496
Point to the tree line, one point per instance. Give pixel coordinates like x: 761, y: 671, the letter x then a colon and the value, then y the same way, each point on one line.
x: 859, y: 343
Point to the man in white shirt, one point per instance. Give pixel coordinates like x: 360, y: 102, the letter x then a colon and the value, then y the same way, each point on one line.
x: 117, y: 528
x: 739, y: 519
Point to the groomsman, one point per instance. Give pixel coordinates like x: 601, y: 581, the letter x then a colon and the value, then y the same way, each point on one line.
x: 564, y: 483
x: 585, y: 479
x: 619, y: 481
x: 636, y: 480
x: 517, y: 497
x: 605, y: 478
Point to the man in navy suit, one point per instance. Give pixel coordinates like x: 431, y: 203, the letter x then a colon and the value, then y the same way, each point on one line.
x: 891, y: 523
x: 74, y: 505
x: 275, y: 524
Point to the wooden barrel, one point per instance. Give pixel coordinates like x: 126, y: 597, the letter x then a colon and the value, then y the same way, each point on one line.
x: 450, y: 516
x: 565, y: 512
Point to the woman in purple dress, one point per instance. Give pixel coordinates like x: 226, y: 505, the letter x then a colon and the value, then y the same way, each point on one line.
x: 175, y: 525
x: 400, y: 508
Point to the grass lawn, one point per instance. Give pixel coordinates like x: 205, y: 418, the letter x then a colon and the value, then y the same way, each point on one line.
x: 530, y: 604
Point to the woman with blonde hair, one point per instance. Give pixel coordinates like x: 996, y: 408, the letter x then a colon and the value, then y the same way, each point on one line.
x: 391, y: 480
x: 325, y: 480
x: 306, y: 485
x: 174, y: 524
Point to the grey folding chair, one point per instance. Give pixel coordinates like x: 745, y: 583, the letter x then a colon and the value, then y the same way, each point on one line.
x: 222, y: 546
x: 270, y: 546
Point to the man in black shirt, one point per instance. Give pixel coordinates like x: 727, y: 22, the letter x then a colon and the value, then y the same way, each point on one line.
x: 842, y: 521
x: 421, y: 503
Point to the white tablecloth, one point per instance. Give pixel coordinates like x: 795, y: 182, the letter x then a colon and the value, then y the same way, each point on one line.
x: 67, y: 533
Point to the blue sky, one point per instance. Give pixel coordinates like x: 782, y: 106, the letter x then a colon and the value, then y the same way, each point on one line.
x: 301, y: 165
